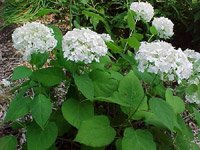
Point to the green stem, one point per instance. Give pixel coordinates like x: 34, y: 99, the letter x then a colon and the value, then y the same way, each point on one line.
x: 151, y: 38
x: 136, y: 108
x: 132, y: 32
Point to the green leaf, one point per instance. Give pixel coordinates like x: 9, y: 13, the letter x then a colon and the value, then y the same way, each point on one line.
x: 153, y: 30
x: 186, y: 131
x: 196, y: 116
x: 118, y: 144
x: 58, y: 36
x: 130, y: 92
x: 75, y: 112
x: 159, y: 90
x: 8, y: 143
x: 85, y: 85
x: 164, y: 112
x: 138, y: 36
x: 133, y: 42
x: 98, y: 17
x: 114, y: 47
x: 191, y: 89
x: 39, y: 59
x: 104, y: 84
x: 45, y: 11
x: 21, y: 72
x: 137, y: 140
x: 181, y: 143
x: 176, y: 102
x: 130, y: 20
x: 140, y: 113
x: 61, y: 123
x: 38, y: 139
x: 41, y: 109
x: 84, y: 1
x: 48, y: 76
x: 96, y: 132
x: 18, y: 108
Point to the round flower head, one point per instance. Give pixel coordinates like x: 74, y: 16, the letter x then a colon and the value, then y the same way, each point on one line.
x: 164, y: 27
x: 32, y: 38
x: 144, y: 10
x: 194, y: 97
x: 161, y: 58
x: 83, y: 45
x: 192, y: 55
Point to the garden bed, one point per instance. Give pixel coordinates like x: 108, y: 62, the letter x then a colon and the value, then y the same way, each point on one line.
x: 89, y: 78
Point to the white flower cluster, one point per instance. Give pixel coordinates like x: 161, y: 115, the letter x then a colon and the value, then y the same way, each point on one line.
x: 194, y: 97
x: 83, y: 45
x: 32, y: 38
x: 164, y: 27
x: 143, y: 10
x: 162, y: 58
x: 192, y: 55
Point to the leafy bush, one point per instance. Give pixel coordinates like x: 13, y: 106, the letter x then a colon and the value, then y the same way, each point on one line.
x: 116, y: 99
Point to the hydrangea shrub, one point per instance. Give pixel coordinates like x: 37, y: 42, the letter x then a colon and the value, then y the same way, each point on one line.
x: 124, y: 95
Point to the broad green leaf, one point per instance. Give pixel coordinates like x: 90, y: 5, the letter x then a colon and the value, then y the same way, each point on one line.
x: 118, y: 144
x: 159, y: 90
x: 85, y: 85
x: 103, y: 62
x: 176, y: 102
x: 137, y: 140
x: 75, y: 112
x: 163, y: 112
x: 48, y: 76
x: 147, y: 77
x: 18, y: 108
x: 21, y: 72
x: 140, y: 113
x: 133, y: 42
x: 130, y: 20
x: 38, y: 139
x: 114, y: 47
x: 196, y: 116
x: 39, y: 59
x: 8, y: 143
x: 96, y: 132
x: 130, y: 92
x: 181, y: 143
x: 191, y: 89
x: 153, y: 30
x: 61, y: 123
x: 186, y: 131
x: 104, y: 84
x: 41, y: 109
